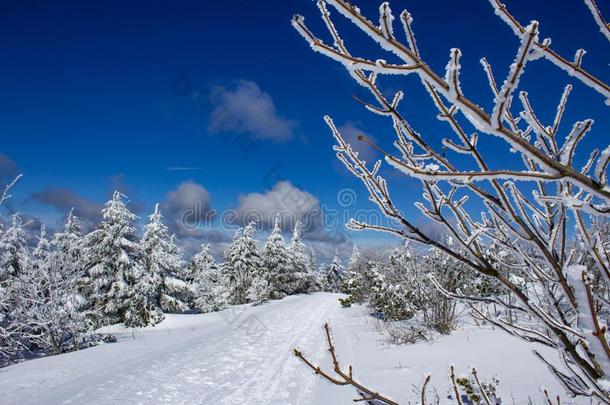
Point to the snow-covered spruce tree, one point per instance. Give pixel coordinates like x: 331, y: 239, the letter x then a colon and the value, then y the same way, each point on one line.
x: 278, y: 265
x: 303, y: 263
x: 529, y: 210
x: 357, y: 262
x: 332, y: 275
x: 67, y: 247
x: 164, y: 267
x: 14, y: 254
x: 116, y: 283
x: 242, y: 263
x: 11, y: 345
x: 204, y: 274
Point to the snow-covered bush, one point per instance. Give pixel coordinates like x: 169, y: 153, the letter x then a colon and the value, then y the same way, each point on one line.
x: 473, y: 391
x: 530, y: 205
x: 53, y: 307
x: 387, y: 300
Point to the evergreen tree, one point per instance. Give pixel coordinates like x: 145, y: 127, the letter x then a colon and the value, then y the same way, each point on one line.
x: 114, y: 269
x: 332, y: 275
x: 297, y: 250
x: 10, y: 337
x: 163, y: 264
x: 204, y: 274
x: 303, y: 264
x: 357, y: 262
x: 67, y: 247
x: 242, y: 262
x: 14, y: 253
x: 177, y: 292
x: 278, y: 268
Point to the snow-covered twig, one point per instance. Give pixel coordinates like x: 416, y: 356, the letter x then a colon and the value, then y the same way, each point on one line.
x: 345, y: 377
x: 604, y: 27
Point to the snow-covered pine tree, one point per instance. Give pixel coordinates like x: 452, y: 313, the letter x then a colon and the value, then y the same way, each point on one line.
x: 178, y: 292
x: 10, y: 338
x: 67, y: 247
x: 312, y: 269
x: 303, y: 263
x: 332, y: 274
x: 242, y: 262
x: 14, y: 253
x: 402, y: 262
x: 277, y: 267
x: 357, y: 263
x: 42, y: 251
x: 114, y: 268
x: 297, y: 249
x: 204, y: 274
x: 163, y: 264
x: 13, y: 258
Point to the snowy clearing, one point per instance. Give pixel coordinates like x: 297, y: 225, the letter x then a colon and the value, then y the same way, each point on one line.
x: 244, y: 355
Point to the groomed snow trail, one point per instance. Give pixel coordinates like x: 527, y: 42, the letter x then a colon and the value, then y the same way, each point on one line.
x: 240, y: 356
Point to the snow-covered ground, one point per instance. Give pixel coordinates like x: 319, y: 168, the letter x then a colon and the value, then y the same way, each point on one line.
x: 244, y: 356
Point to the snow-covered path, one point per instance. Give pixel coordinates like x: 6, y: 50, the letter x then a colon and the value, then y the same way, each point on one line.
x: 244, y: 355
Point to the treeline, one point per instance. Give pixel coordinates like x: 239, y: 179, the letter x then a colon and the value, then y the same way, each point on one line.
x: 54, y: 296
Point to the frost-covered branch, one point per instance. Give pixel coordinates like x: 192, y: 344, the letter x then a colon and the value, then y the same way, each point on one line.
x: 604, y: 27
x: 573, y: 69
x: 6, y: 193
x: 344, y: 377
x: 526, y: 209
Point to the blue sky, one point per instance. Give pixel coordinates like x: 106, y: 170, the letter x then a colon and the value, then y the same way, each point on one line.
x: 116, y: 94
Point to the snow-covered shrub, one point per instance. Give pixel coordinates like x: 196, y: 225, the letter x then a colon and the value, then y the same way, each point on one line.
x: 387, y: 300
x: 474, y: 391
x: 391, y: 302
x: 529, y: 206
x: 360, y: 286
x: 399, y: 333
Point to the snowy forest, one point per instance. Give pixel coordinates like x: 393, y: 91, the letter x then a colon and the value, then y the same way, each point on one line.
x: 55, y: 295
x: 489, y: 283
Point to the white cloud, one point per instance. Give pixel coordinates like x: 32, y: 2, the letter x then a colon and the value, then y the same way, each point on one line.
x: 285, y: 200
x: 249, y: 110
x: 187, y: 208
